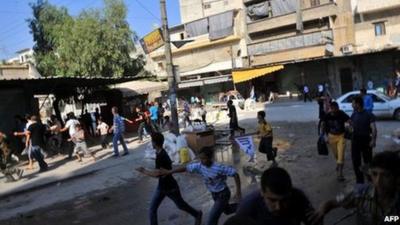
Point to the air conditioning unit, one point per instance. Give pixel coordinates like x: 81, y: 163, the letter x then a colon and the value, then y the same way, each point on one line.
x: 347, y: 49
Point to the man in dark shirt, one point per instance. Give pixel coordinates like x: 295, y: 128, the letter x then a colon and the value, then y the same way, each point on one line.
x: 144, y: 123
x: 333, y: 126
x: 364, y: 137
x: 167, y: 185
x: 278, y: 202
x: 233, y: 123
x: 35, y: 135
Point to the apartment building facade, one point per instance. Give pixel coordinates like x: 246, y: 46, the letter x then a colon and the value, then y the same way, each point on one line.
x: 208, y: 44
x: 343, y: 43
x: 306, y: 37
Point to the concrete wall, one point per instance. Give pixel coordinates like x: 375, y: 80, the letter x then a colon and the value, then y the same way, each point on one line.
x: 365, y: 30
x: 15, y: 102
x: 337, y: 17
x: 195, y: 9
x: 202, y: 57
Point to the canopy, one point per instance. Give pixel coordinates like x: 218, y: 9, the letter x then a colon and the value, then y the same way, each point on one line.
x: 245, y: 75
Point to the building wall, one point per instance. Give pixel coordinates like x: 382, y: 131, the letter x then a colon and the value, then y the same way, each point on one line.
x: 365, y: 30
x: 327, y: 21
x: 202, y: 51
x: 15, y: 102
x: 196, y: 9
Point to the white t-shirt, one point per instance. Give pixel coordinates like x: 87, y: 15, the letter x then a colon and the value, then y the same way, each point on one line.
x: 27, y: 125
x: 103, y: 127
x: 71, y: 124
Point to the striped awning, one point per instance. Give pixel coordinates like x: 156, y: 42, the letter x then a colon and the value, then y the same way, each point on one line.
x: 248, y: 74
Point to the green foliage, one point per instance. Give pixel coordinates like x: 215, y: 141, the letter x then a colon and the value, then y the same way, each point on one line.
x: 95, y: 43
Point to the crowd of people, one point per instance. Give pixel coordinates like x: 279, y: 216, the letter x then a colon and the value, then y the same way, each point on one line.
x: 40, y: 139
x: 45, y: 139
x: 277, y: 201
x: 375, y: 198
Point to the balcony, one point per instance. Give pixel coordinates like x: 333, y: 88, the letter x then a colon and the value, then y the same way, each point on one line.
x: 365, y: 6
x: 292, y: 55
x: 293, y: 42
x: 309, y: 14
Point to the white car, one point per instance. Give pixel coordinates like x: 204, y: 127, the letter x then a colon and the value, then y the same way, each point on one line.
x: 384, y: 106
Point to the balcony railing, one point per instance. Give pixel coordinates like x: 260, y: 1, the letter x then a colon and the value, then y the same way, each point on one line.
x: 298, y: 41
x: 309, y: 14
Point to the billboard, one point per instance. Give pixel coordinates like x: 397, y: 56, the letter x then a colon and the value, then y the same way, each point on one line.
x: 152, y: 41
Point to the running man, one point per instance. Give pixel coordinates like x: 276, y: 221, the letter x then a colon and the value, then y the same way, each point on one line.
x: 214, y: 175
x: 102, y: 129
x: 233, y: 123
x: 364, y: 137
x: 118, y: 128
x: 80, y: 144
x: 265, y: 134
x: 71, y: 127
x: 35, y: 136
x: 377, y: 200
x: 167, y: 185
x: 333, y: 126
x: 27, y: 149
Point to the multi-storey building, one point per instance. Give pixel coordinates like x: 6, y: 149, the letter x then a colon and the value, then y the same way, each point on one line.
x: 303, y: 37
x: 214, y: 35
x: 279, y: 46
x: 377, y: 35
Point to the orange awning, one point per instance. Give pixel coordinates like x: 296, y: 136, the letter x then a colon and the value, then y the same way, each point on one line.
x: 245, y: 75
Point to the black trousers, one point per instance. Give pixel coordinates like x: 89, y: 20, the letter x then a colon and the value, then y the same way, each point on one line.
x: 235, y: 127
x: 142, y: 126
x: 360, y: 149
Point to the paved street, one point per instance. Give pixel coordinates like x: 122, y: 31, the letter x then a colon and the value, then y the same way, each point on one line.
x: 110, y: 192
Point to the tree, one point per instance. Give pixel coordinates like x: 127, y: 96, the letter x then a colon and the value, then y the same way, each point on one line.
x: 95, y: 43
x: 45, y: 19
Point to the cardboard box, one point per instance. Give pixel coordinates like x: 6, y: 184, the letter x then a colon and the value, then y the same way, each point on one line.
x: 199, y: 139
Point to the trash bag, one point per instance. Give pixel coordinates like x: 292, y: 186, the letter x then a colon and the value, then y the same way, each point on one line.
x: 184, y: 155
x: 322, y: 146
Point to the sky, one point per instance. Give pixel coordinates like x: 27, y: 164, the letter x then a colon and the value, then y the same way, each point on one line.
x: 143, y: 16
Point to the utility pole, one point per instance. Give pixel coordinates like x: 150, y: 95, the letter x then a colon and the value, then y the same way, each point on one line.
x: 170, y: 70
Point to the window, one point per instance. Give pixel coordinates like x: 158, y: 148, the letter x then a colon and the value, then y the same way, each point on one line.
x: 182, y: 36
x: 314, y: 3
x: 207, y: 5
x: 161, y: 65
x: 377, y: 99
x: 349, y: 99
x: 380, y: 29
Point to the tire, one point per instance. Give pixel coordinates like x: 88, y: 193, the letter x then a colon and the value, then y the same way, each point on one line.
x: 396, y: 114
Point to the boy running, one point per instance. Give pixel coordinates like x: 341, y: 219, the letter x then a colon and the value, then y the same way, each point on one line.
x: 167, y: 185
x: 102, y: 129
x: 214, y: 175
x: 80, y: 145
x: 265, y: 134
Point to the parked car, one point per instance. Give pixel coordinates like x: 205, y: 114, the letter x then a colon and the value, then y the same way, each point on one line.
x: 384, y: 106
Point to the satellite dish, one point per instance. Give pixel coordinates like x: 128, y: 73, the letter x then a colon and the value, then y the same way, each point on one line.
x: 329, y: 49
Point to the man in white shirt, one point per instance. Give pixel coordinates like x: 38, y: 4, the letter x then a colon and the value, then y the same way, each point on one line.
x: 71, y: 127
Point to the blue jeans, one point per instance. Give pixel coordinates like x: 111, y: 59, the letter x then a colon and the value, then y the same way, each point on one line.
x: 119, y: 137
x: 176, y: 197
x: 221, y: 205
x: 36, y: 152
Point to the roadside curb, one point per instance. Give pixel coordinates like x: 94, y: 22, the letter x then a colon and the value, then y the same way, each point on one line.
x: 40, y: 186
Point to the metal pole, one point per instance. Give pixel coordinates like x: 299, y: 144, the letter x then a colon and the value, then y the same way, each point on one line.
x: 170, y: 70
